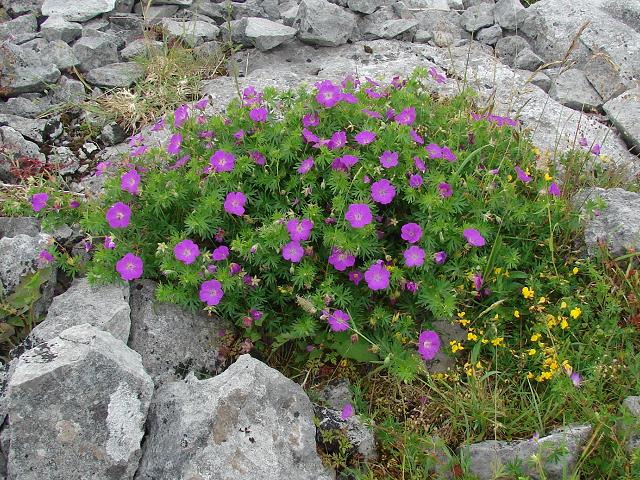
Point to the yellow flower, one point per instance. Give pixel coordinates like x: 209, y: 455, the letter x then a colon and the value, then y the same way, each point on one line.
x: 472, y: 337
x: 542, y: 300
x: 575, y: 313
x: 464, y: 322
x: 497, y: 270
x: 551, y: 321
x: 528, y: 292
x: 564, y: 324
x: 548, y: 177
x: 455, y: 346
x: 575, y: 270
x: 535, y: 337
x: 484, y: 341
x: 343, y: 363
x: 529, y: 375
x: 563, y: 305
x: 497, y: 342
x: 516, y: 313
x: 509, y: 177
x: 461, y: 314
x: 532, y: 351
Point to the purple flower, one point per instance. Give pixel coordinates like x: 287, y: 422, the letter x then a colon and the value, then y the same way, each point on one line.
x: 234, y: 203
x: 250, y: 96
x: 372, y: 93
x: 180, y: 116
x: 328, y: 94
x: 239, y: 135
x: 139, y: 151
x: 477, y: 281
x: 309, y: 136
x: 382, y: 191
x: 596, y: 149
x: 173, y: 148
x: 338, y: 140
x: 339, y: 321
x: 293, y: 251
x: 448, y: 155
x: 440, y: 257
x: 377, y: 277
x: 310, y: 120
x: 299, y: 231
x: 554, y: 189
x: 411, y: 287
x: 522, y: 175
x: 358, y: 215
x: 258, y: 114
x: 416, y: 138
x: 347, y: 412
x: 419, y: 164
x: 349, y: 160
x: 202, y: 103
x: 583, y: 142
x: 355, y: 276
x: 415, y: 181
x: 411, y: 232
x: 130, y: 181
x: 211, y: 292
x: 109, y: 244
x: 159, y: 125
x: 371, y: 113
x: 186, y: 251
x: 365, y: 137
x: 306, y: 165
x: 445, y: 190
x: 102, y: 167
x: 181, y: 162
x: 390, y: 113
x: 74, y: 204
x: 473, y: 237
x: 234, y: 268
x: 222, y: 161
x: 428, y: 344
x: 136, y: 140
x: 220, y: 253
x: 389, y: 159
x: 437, y: 76
x: 576, y: 379
x: 341, y: 260
x: 129, y: 267
x: 119, y: 215
x: 38, y: 201
x: 45, y: 257
x: 255, y: 314
x: 406, y: 116
x: 413, y: 256
x: 433, y: 150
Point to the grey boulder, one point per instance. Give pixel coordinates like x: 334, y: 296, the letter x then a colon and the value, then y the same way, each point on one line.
x: 23, y: 71
x: 322, y: 23
x: 632, y: 430
x: 18, y: 258
x: 116, y: 75
x: 509, y: 14
x: 30, y: 128
x: 104, y: 307
x: 12, y: 226
x: 77, y: 406
x: 78, y: 10
x: 95, y: 51
x: 489, y: 35
x: 19, y: 7
x: 624, y: 112
x: 360, y: 437
x: 262, y: 33
x: 19, y: 29
x: 508, y: 48
x: 572, y: 89
x: 558, y: 453
x: 192, y: 32
x: 365, y: 6
x: 248, y: 422
x: 57, y: 28
x: 477, y: 17
x: 16, y: 147
x: 61, y: 54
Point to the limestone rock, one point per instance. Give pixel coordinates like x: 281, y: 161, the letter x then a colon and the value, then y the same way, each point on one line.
x: 18, y: 258
x: 18, y: 28
x: 94, y: 52
x: 489, y: 35
x: 604, y: 75
x: 527, y: 60
x: 509, y: 14
x: 15, y: 147
x: 155, y: 14
x: 322, y: 23
x: 12, y: 226
x: 508, y: 48
x: 57, y: 28
x: 491, y: 456
x: 477, y: 17
x: 104, y: 307
x: 360, y: 437
x: 138, y: 48
x: 572, y: 89
x: 617, y: 224
x: 30, y: 128
x: 248, y: 422
x: 78, y: 10
x: 191, y: 32
x: 262, y: 33
x: 22, y: 70
x: 69, y: 90
x: 116, y: 75
x: 77, y: 406
x: 61, y: 54
x: 26, y: 107
x: 631, y: 431
x: 365, y: 6
x: 395, y: 28
x: 624, y: 112
x: 20, y: 7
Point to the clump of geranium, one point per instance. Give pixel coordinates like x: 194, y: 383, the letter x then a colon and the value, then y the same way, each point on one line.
x: 350, y: 213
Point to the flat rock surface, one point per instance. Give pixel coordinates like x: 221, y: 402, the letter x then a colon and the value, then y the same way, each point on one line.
x: 122, y: 74
x: 624, y: 112
x: 77, y: 10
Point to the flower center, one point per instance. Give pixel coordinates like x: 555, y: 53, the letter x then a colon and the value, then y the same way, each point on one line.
x: 426, y: 344
x: 119, y: 215
x: 357, y: 216
x: 130, y: 266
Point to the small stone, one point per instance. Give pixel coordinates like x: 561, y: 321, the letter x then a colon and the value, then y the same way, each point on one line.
x: 57, y: 28
x: 78, y: 10
x: 15, y: 147
x: 155, y: 14
x: 394, y: 28
x: 19, y: 28
x: 95, y: 52
x: 477, y: 17
x: 527, y: 60
x: 112, y: 134
x: 30, y: 128
x: 337, y: 394
x: 605, y: 76
x: 422, y: 36
x: 509, y: 14
x: 22, y: 70
x: 24, y: 107
x: 489, y: 35
x: 365, y: 6
x: 632, y: 430
x: 508, y: 48
x: 63, y: 160
x: 61, y: 54
x: 322, y: 23
x: 116, y: 75
x: 572, y: 89
x: 20, y: 7
x: 138, y: 48
x: 624, y: 113
x: 262, y: 33
x: 69, y: 91
x: 13, y: 226
x: 191, y: 32
x: 360, y: 437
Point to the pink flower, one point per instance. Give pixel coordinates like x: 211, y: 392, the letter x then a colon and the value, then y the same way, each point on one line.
x: 349, y: 160
x: 371, y: 113
x: 382, y: 191
x: 130, y: 181
x: 258, y: 114
x: 474, y: 237
x: 222, y: 161
x: 440, y: 257
x: 437, y: 76
x: 328, y: 94
x: 583, y: 142
x: 522, y: 175
x: 347, y: 411
x: 358, y: 215
x: 306, y: 165
x: 413, y: 256
x: 576, y: 379
x: 234, y: 268
x: 554, y: 189
x: 293, y: 251
x: 129, y: 267
x: 355, y: 276
x: 445, y: 190
x: 309, y: 136
x: 109, y: 244
x: 416, y: 138
x: 173, y: 147
x: 365, y: 137
x: 428, y: 344
x: 180, y: 116
x: 406, y: 116
x: 596, y: 149
x: 419, y: 164
x: 186, y: 251
x: 255, y: 314
x: 310, y: 120
x: 38, y: 201
x: 45, y: 257
x: 341, y: 260
x: 411, y: 232
x: 220, y: 253
x: 339, y: 321
x: 377, y: 276
x: 159, y: 125
x: 338, y: 140
x: 119, y: 215
x: 202, y: 103
x: 389, y: 159
x: 211, y: 292
x: 299, y: 231
x: 101, y: 168
x: 415, y: 181
x: 448, y: 155
x: 234, y: 203
x: 433, y: 150
x: 477, y: 281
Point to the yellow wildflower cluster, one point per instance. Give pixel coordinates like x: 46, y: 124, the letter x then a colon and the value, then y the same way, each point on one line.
x: 455, y: 346
x: 528, y: 293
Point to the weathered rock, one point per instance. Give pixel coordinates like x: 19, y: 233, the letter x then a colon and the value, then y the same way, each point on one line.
x: 365, y: 6
x: 527, y: 60
x: 20, y: 7
x: 78, y: 10
x: 490, y: 456
x: 337, y: 394
x: 508, y: 48
x: 61, y: 54
x: 572, y: 89
x: 105, y: 307
x: 191, y: 32
x: 250, y: 421
x: 19, y: 29
x: 262, y: 33
x: 138, y: 48
x: 631, y: 431
x: 539, y: 79
x: 68, y: 91
x: 509, y: 14
x: 63, y: 160
x: 155, y: 14
x: 77, y: 407
x: 444, y: 27
x: 12, y: 226
x: 112, y: 134
x: 322, y: 23
x: 395, y: 28
x: 94, y: 52
x: 605, y: 76
x: 116, y: 75
x: 15, y: 147
x: 477, y: 17
x: 25, y: 107
x: 617, y: 225
x: 183, y: 3
x: 624, y: 112
x: 22, y: 70
x: 489, y: 35
x: 369, y: 27
x: 360, y: 437
x: 30, y: 128
x: 172, y: 341
x: 57, y: 28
